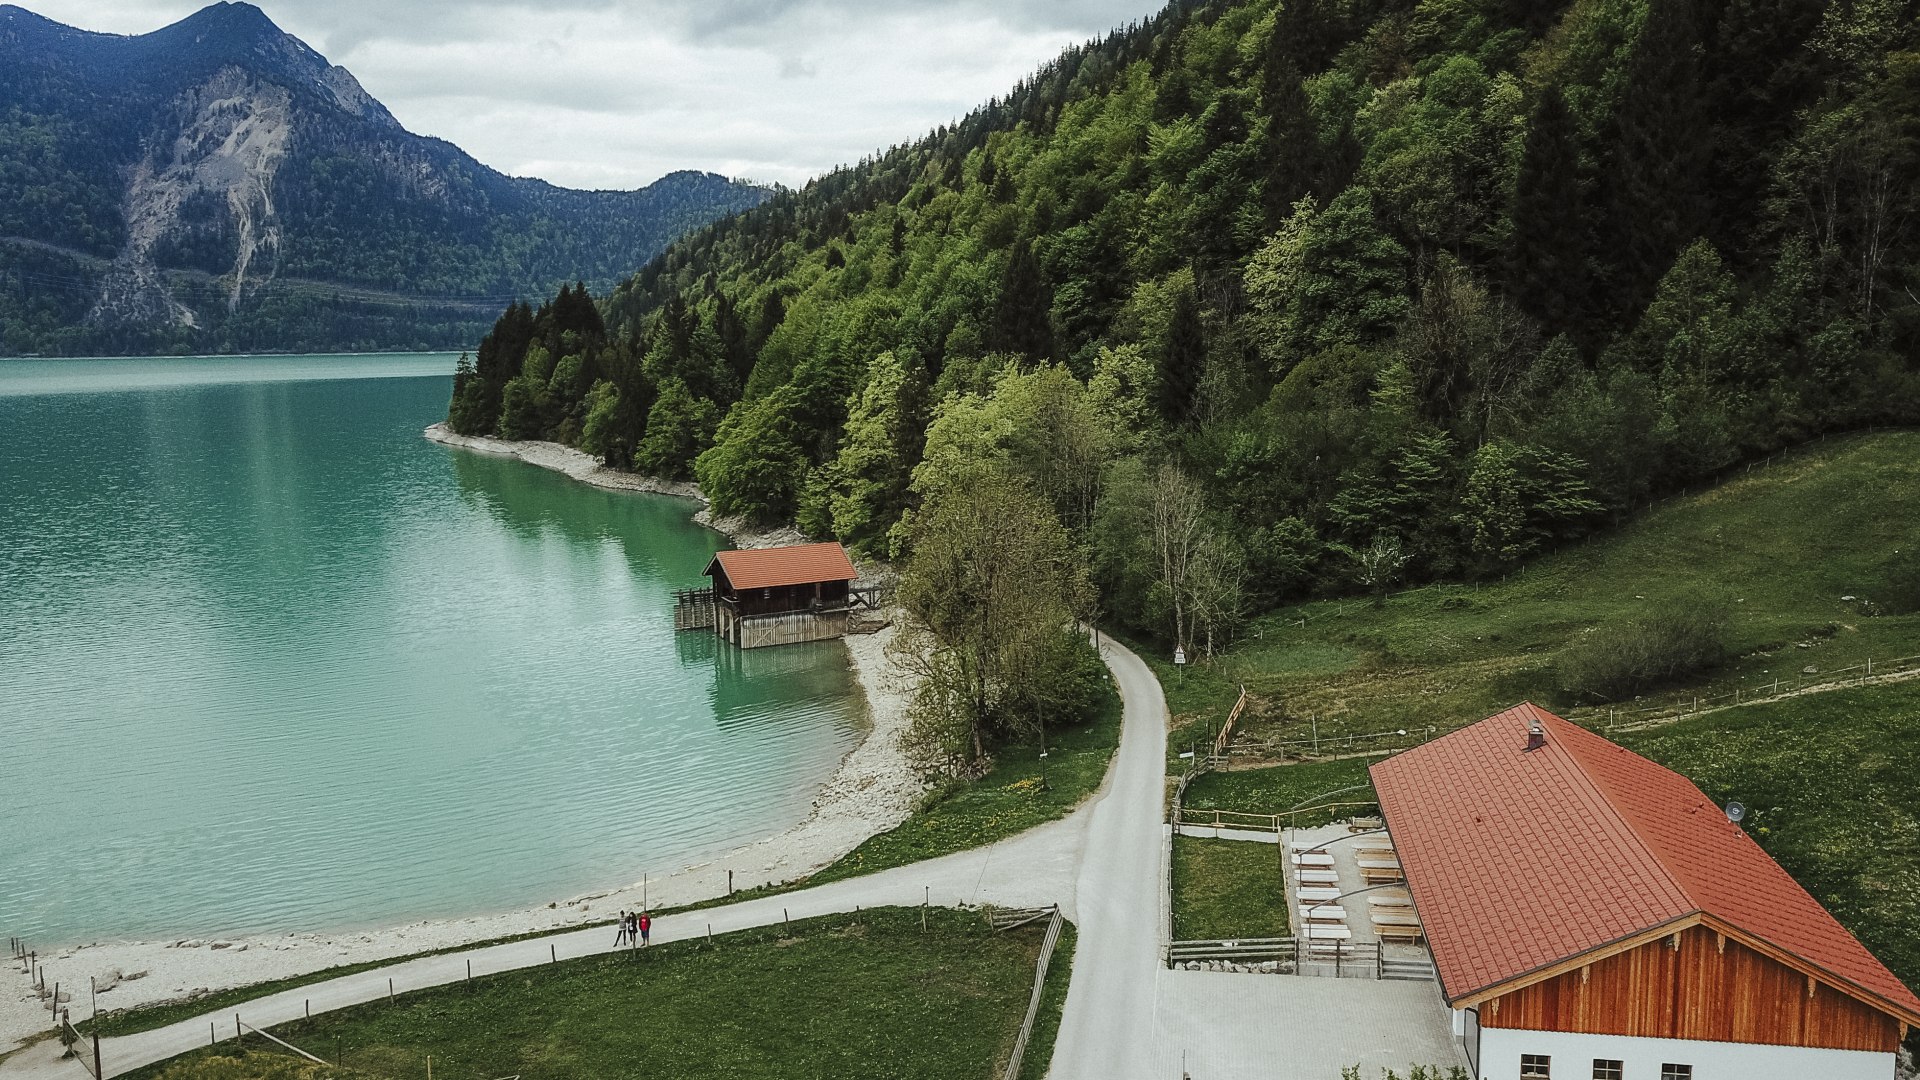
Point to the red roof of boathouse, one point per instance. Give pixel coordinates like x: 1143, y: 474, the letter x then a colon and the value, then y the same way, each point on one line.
x: 772, y: 568
x: 1520, y: 860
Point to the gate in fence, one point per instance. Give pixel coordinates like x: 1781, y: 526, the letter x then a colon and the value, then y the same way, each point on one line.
x: 82, y: 1048
x: 1287, y: 956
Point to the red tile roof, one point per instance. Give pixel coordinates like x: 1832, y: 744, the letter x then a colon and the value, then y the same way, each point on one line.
x: 769, y: 568
x: 1521, y: 860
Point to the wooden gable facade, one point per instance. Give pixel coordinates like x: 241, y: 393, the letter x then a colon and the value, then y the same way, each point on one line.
x: 1696, y: 983
x: 773, y: 596
x: 778, y: 599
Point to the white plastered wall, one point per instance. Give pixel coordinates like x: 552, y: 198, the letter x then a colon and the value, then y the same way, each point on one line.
x: 1573, y: 1056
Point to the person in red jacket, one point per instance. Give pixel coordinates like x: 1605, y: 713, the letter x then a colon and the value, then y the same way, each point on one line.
x: 646, y: 928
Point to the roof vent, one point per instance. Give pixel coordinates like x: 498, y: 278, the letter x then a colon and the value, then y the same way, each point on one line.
x: 1536, y: 735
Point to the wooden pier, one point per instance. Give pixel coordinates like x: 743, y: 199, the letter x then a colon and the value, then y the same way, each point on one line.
x: 693, y: 609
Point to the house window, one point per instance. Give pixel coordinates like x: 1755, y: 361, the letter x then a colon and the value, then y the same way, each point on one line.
x: 1536, y: 1067
x: 1606, y: 1069
x: 1676, y: 1072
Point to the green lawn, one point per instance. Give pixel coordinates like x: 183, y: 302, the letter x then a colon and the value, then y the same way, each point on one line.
x: 849, y: 995
x: 1227, y: 889
x: 1279, y: 788
x: 1011, y: 798
x: 1782, y: 546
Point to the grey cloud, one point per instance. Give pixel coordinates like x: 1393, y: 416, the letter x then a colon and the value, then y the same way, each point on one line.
x: 614, y: 93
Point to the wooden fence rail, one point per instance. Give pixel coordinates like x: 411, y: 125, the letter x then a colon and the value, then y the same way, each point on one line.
x: 1221, y: 740
x: 1238, y: 819
x: 1019, y: 1055
x: 82, y: 1048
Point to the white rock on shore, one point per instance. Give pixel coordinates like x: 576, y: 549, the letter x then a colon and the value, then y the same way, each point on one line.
x: 874, y: 789
x: 584, y: 467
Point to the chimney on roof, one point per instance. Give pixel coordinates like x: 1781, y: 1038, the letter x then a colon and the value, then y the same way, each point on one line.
x: 1536, y: 735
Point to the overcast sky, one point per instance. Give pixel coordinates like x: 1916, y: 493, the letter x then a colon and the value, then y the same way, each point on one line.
x: 615, y: 93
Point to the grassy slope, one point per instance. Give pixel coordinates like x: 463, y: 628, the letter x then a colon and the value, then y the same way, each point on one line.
x: 1831, y: 775
x: 1786, y: 542
x: 1226, y: 888
x: 866, y: 995
x: 1009, y: 799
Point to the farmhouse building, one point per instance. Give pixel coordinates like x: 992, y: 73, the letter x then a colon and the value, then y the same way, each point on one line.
x: 777, y: 596
x: 1594, y: 916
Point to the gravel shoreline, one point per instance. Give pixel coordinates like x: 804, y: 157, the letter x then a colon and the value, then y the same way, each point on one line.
x: 584, y: 467
x: 874, y: 789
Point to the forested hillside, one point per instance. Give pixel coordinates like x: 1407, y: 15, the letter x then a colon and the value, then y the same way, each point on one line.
x: 1267, y: 298
x: 216, y: 185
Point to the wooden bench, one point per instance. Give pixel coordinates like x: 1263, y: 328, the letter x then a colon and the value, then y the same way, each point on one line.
x: 1317, y: 877
x: 1318, y: 858
x: 1380, y: 872
x: 1397, y: 933
x: 1323, y: 913
x: 1387, y: 901
x: 1318, y: 892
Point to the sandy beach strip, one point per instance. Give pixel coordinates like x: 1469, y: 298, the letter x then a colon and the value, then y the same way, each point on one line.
x: 874, y: 788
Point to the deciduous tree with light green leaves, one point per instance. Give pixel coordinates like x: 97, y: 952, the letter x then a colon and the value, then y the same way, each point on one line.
x: 992, y: 594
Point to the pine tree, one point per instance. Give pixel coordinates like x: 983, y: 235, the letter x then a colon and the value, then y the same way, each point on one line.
x: 1662, y: 150
x: 1547, y: 265
x: 1307, y: 33
x: 1293, y: 138
x: 1182, y: 361
x: 1759, y: 75
x: 732, y: 332
x: 1021, y: 318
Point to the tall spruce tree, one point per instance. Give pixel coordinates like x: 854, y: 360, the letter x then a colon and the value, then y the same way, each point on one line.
x: 1182, y: 361
x: 1547, y: 263
x: 1021, y: 318
x: 1662, y: 148
x: 1293, y: 136
x: 1759, y: 75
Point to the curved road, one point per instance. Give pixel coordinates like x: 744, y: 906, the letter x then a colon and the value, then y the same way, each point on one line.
x: 1108, y: 1029
x: 1102, y: 864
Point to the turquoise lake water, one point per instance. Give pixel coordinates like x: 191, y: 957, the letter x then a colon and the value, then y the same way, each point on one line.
x: 272, y: 662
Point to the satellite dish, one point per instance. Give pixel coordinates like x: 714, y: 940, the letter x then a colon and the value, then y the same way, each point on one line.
x: 1736, y: 813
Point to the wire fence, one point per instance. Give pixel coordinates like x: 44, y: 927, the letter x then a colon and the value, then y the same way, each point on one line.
x: 239, y: 1028
x: 1615, y: 718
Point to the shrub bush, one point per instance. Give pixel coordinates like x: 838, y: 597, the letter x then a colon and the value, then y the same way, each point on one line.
x: 1671, y: 641
x: 1902, y: 596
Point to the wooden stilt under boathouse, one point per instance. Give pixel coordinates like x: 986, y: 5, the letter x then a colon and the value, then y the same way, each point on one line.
x: 773, y: 596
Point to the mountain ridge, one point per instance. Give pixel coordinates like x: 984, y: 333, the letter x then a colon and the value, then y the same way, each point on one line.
x: 221, y: 145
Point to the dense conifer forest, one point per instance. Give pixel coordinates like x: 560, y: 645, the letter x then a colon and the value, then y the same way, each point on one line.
x: 1264, y: 298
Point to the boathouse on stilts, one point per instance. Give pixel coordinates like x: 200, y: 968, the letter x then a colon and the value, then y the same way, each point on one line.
x: 774, y: 596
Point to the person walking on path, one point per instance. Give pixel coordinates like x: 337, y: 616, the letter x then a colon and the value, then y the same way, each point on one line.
x: 646, y: 929
x: 626, y: 933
